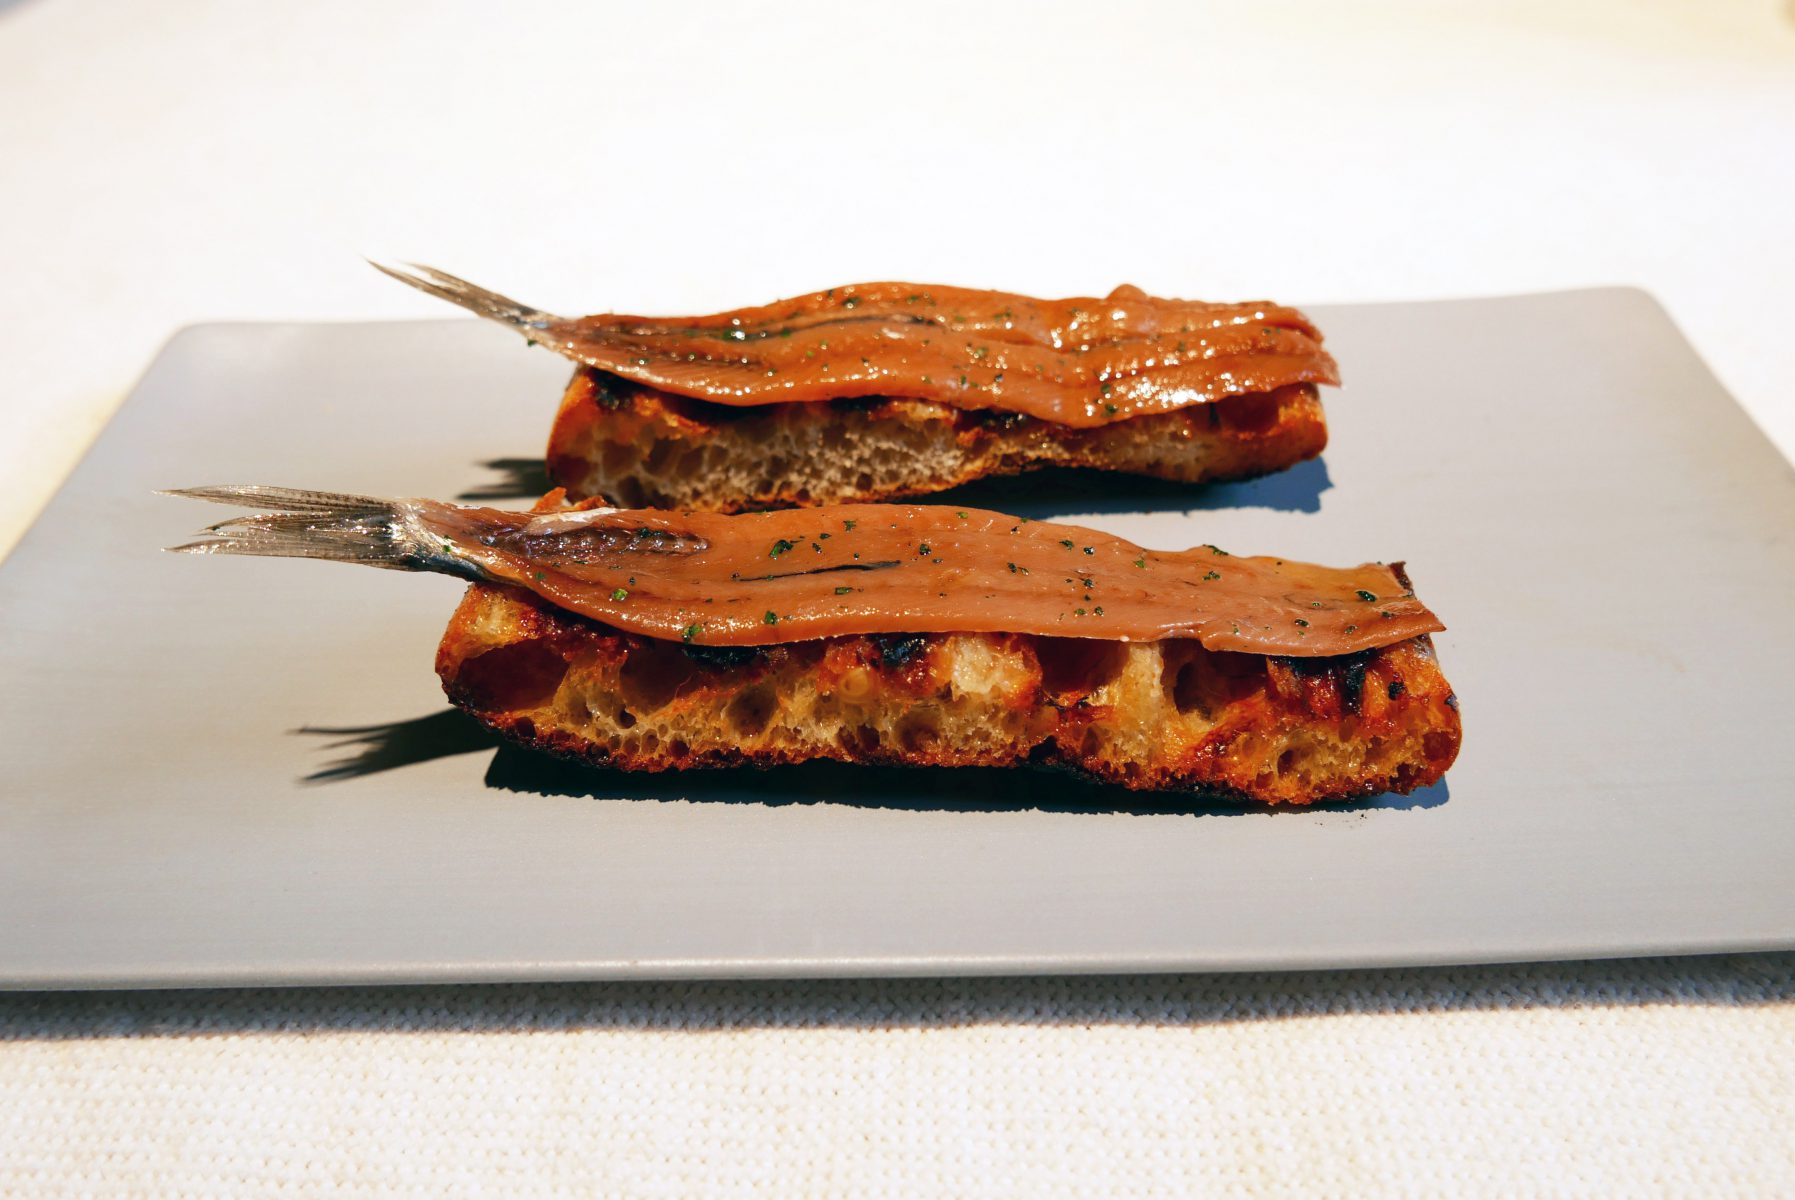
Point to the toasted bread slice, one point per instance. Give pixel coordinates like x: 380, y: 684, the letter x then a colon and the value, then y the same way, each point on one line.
x: 1145, y: 715
x: 640, y: 446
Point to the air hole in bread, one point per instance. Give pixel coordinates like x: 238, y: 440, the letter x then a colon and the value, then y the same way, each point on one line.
x: 1072, y: 668
x: 653, y: 674
x: 659, y: 451
x: 1437, y: 746
x: 917, y: 732
x: 750, y: 711
x: 617, y: 457
x: 858, y: 739
x: 519, y: 676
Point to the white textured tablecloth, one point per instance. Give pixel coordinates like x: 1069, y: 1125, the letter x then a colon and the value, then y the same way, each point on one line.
x: 1657, y: 1077
x: 167, y: 163
x: 1645, y: 1078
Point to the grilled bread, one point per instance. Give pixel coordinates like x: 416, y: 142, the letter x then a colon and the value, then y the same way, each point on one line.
x: 643, y: 447
x: 1146, y: 715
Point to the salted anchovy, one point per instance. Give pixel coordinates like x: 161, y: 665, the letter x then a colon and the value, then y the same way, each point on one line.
x: 799, y: 574
x: 1080, y: 362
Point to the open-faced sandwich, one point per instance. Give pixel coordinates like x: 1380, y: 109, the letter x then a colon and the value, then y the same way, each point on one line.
x: 883, y: 390
x: 648, y: 639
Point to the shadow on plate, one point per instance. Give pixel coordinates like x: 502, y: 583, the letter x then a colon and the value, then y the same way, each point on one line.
x: 518, y: 479
x: 1060, y: 490
x: 372, y: 749
x: 1039, y: 494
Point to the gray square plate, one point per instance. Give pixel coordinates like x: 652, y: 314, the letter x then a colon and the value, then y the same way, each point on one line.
x: 241, y: 771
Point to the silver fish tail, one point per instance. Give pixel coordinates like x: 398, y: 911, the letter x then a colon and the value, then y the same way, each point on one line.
x: 472, y: 297
x: 329, y: 525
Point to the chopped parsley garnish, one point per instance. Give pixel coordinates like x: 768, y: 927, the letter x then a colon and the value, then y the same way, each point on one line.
x: 537, y: 577
x: 1217, y: 550
x: 1016, y: 570
x: 1302, y: 622
x: 1098, y: 611
x: 779, y: 547
x: 1067, y: 543
x: 690, y: 632
x: 1141, y: 562
x: 922, y: 548
x: 1366, y: 596
x: 842, y: 591
x: 1090, y: 550
x: 1211, y: 575
x: 850, y: 302
x: 619, y: 594
x: 848, y: 525
x: 772, y: 618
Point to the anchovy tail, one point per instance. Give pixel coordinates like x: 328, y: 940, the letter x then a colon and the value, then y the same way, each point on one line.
x: 327, y: 525
x: 472, y: 297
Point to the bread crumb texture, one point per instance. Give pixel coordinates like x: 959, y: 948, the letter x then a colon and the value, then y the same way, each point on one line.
x: 641, y: 447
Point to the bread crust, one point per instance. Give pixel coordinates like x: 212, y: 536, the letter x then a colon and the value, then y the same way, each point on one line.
x: 1148, y: 716
x: 642, y: 447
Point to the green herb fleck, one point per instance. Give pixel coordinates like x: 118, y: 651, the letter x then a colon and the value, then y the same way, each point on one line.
x: 1211, y: 575
x: 1395, y: 689
x: 850, y: 302
x: 1352, y: 629
x: 1141, y: 562
x: 537, y: 577
x: 1218, y: 551
x: 779, y: 547
x: 1078, y: 612
x: 772, y: 618
x: 1302, y: 622
x: 1110, y: 410
x: 1366, y: 596
x: 848, y: 525
x: 619, y: 594
x: 1098, y: 611
x: 1067, y: 543
x: 922, y: 548
x: 690, y: 632
x: 842, y: 591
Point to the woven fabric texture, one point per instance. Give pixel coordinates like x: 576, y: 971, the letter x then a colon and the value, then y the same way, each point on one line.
x: 1669, y: 1077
